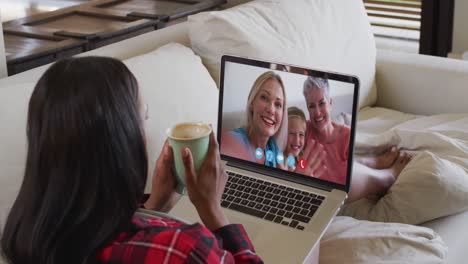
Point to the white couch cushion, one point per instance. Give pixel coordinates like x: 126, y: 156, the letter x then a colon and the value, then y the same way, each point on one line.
x: 177, y: 87
x: 453, y: 231
x: 14, y: 100
x: 348, y: 240
x: 323, y: 34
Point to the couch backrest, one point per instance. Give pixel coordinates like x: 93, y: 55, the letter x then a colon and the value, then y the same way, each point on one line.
x: 13, y: 115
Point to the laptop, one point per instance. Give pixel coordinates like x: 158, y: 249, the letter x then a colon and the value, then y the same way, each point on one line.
x: 284, y: 212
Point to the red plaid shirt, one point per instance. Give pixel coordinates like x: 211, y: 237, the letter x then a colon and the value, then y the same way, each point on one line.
x: 164, y: 240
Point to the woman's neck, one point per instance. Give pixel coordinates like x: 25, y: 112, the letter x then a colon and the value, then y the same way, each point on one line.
x: 257, y: 141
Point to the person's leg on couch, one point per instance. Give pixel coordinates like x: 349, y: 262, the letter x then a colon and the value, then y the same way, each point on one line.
x: 373, y: 176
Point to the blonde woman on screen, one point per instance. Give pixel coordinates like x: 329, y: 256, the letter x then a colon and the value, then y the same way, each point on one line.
x: 266, y: 127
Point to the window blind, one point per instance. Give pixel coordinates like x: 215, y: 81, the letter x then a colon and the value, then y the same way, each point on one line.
x: 395, y: 18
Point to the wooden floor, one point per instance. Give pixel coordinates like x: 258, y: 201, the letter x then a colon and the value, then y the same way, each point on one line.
x: 13, y: 9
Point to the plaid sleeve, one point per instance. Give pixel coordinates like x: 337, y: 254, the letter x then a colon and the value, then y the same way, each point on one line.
x: 237, y: 247
x: 162, y: 240
x: 234, y: 247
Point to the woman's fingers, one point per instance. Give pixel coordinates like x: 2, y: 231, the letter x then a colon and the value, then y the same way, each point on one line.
x: 190, y: 174
x: 312, y: 166
x: 315, y: 156
x: 214, y: 146
x: 168, y: 157
x: 308, y: 148
x: 320, y: 170
x: 222, y: 182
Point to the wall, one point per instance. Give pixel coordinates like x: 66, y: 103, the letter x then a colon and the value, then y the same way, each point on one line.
x: 460, y: 27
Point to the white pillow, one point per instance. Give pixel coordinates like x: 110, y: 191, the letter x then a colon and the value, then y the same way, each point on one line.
x: 14, y: 100
x: 348, y: 240
x: 429, y: 187
x: 322, y: 34
x: 177, y: 88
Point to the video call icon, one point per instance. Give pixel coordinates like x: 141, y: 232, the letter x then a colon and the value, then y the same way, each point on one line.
x: 291, y: 161
x: 259, y: 153
x: 280, y: 158
x: 302, y: 163
x: 269, y: 155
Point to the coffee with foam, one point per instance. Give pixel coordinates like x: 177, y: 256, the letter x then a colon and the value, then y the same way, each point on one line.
x: 189, y: 131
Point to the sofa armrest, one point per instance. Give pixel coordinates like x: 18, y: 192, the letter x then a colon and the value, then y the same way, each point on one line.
x: 420, y: 84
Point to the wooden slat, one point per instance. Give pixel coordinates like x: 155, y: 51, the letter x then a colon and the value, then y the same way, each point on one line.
x: 33, y: 33
x: 407, y: 10
x: 395, y: 17
x: 393, y: 10
x: 394, y: 26
x: 397, y: 1
x: 416, y: 4
x: 23, y: 46
x: 159, y: 9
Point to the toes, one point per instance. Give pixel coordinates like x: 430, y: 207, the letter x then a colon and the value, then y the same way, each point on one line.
x: 393, y: 153
x: 405, y: 158
x: 410, y: 157
x: 402, y: 157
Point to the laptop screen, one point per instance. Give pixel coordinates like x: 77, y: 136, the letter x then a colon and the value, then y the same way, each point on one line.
x: 291, y: 122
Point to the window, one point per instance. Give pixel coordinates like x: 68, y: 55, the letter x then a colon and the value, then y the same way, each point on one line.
x: 396, y: 23
x: 395, y: 18
x: 424, y: 26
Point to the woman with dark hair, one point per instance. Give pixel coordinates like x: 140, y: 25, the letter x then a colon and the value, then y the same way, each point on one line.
x: 85, y: 175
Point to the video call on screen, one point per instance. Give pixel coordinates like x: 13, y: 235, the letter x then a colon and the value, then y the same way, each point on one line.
x: 287, y: 119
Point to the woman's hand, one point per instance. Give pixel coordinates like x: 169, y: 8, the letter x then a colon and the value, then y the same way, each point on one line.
x: 206, y: 187
x: 313, y: 154
x: 163, y: 195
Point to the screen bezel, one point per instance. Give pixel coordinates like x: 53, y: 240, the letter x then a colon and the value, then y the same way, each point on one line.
x: 276, y: 172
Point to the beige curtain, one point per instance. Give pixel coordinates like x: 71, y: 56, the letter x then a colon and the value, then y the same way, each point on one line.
x: 3, y: 66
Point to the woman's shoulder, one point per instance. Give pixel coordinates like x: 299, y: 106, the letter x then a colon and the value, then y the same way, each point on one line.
x: 238, y: 132
x: 236, y: 143
x: 346, y: 130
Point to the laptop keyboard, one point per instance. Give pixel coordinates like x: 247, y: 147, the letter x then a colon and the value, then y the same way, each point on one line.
x: 270, y: 201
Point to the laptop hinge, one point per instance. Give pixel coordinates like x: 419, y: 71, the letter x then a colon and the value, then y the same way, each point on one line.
x: 283, y: 175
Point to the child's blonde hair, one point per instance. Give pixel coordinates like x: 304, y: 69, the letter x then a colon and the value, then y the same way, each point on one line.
x: 296, y: 112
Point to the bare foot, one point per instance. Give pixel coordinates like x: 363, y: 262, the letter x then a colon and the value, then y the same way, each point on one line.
x: 401, y: 162
x: 386, y: 177
x: 382, y: 161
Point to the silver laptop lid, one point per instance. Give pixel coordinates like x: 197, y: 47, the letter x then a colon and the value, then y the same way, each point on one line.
x: 256, y: 133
